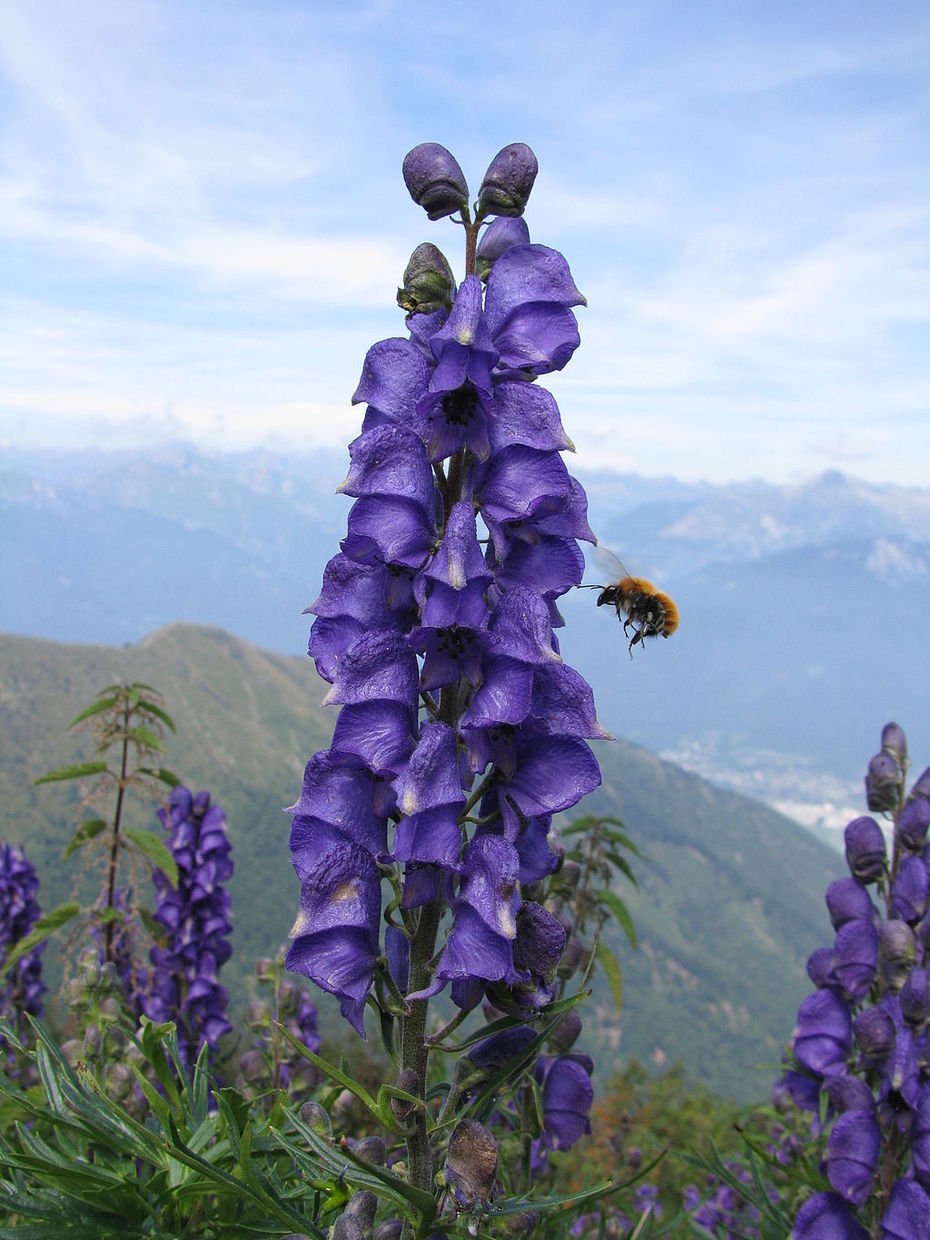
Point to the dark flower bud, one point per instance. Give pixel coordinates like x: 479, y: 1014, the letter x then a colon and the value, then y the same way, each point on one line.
x: 93, y: 1041
x: 409, y: 1082
x: 390, y: 1229
x: 316, y: 1118
x: 508, y: 181
x: 429, y: 284
x: 565, y: 1034
x: 264, y: 969
x: 883, y: 783
x: 372, y: 1150
x: 252, y: 1065
x: 865, y: 849
x: 288, y: 999
x: 913, y: 823
x: 909, y: 891
x: 110, y: 1008
x: 257, y: 1014
x: 75, y: 993
x: 894, y: 742
x: 539, y: 943
x: 119, y: 1081
x: 89, y: 968
x: 72, y: 1050
x: 435, y: 180
x: 502, y: 235
x: 363, y: 1205
x: 820, y: 967
x: 897, y: 949
x: 847, y: 900
x: 568, y: 877
x: 571, y: 958
x: 915, y: 998
x: 471, y: 1163
x: 114, y: 1040
x: 109, y: 978
x: 347, y: 1227
x: 874, y: 1032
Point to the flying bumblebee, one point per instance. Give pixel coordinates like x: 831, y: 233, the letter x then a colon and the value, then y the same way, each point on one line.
x: 642, y: 608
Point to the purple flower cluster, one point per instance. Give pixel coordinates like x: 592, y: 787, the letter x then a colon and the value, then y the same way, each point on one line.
x: 22, y: 988
x: 461, y: 730
x: 861, y: 1047
x: 183, y: 985
x: 720, y: 1209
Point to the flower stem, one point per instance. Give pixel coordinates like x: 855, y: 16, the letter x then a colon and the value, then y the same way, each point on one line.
x: 114, y: 842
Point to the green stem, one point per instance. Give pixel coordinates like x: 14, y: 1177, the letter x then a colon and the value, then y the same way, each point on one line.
x: 114, y: 842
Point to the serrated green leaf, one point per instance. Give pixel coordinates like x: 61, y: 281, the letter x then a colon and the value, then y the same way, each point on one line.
x: 145, y: 736
x: 624, y: 867
x: 611, y: 967
x: 87, y: 830
x: 157, y: 711
x: 97, y: 709
x: 157, y: 852
x: 620, y: 912
x: 621, y: 838
x: 78, y: 771
x: 45, y: 926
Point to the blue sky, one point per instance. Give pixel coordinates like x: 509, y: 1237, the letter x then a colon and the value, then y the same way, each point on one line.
x: 202, y: 219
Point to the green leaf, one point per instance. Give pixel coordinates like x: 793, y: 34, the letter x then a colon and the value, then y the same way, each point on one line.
x: 620, y: 912
x: 97, y: 709
x: 612, y: 971
x: 624, y: 867
x: 145, y: 736
x: 157, y: 711
x: 108, y: 914
x: 619, y: 837
x: 87, y: 830
x: 45, y: 926
x: 78, y: 771
x: 157, y: 852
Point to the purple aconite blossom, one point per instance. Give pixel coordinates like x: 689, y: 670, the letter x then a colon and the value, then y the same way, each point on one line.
x: 21, y: 988
x: 182, y: 985
x: 826, y: 1216
x: 855, y: 956
x: 567, y: 1095
x: 848, y: 900
x: 823, y: 1037
x: 865, y: 849
x: 908, y: 1213
x: 852, y: 1154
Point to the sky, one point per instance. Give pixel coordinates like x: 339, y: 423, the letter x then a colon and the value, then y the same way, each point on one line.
x: 203, y: 221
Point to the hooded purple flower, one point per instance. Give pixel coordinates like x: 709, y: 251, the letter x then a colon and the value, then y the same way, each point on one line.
x: 826, y: 1216
x: 848, y: 899
x: 430, y: 798
x: 913, y: 822
x: 852, y: 1155
x: 567, y: 1095
x: 908, y: 1213
x: 909, y: 890
x: 855, y: 957
x: 336, y: 931
x: 865, y: 849
x: 823, y: 1037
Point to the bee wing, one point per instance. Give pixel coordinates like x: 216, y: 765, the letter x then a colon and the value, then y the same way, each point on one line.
x: 607, y: 564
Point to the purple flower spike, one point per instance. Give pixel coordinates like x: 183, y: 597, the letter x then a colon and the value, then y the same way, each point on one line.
x: 826, y: 1216
x: 852, y: 1155
x: 21, y: 988
x: 908, y: 1213
x: 865, y: 849
x: 336, y: 931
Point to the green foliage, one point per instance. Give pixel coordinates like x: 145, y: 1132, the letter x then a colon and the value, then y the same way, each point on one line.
x: 82, y: 1164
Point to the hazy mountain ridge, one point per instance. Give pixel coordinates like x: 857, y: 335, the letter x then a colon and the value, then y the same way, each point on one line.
x: 730, y: 901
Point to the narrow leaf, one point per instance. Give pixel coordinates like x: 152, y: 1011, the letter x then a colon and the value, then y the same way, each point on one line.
x: 612, y: 971
x: 157, y: 852
x: 40, y: 931
x: 78, y: 771
x: 157, y: 711
x: 97, y: 709
x: 620, y: 912
x: 145, y: 736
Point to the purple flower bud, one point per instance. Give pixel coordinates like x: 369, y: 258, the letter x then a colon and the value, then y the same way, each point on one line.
x: 897, y: 951
x: 508, y: 181
x: 852, y: 1155
x: 855, y: 956
x: 913, y: 822
x: 502, y: 235
x: 566, y: 1033
x: 435, y: 180
x: 908, y: 1213
x: 848, y: 899
x: 921, y: 786
x: 894, y: 742
x: 429, y: 284
x: 874, y: 1031
x: 826, y: 1216
x: 909, y: 890
x: 915, y: 998
x: 865, y: 849
x: 883, y: 783
x: 920, y: 1137
x: 471, y: 1163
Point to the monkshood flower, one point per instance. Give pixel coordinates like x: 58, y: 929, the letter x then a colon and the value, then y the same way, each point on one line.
x: 861, y: 1049
x: 567, y: 1095
x: 22, y: 988
x: 182, y: 985
x: 461, y: 731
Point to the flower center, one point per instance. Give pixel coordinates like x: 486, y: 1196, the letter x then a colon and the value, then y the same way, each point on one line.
x: 459, y: 406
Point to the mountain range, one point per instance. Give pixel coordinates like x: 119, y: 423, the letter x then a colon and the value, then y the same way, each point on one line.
x: 804, y: 618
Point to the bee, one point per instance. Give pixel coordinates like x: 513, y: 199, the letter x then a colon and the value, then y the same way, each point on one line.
x: 642, y: 608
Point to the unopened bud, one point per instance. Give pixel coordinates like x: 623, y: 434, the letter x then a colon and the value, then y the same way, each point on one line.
x: 565, y: 1034
x: 471, y: 1163
x: 114, y: 1040
x: 92, y: 1043
x: 264, y: 969
x: 883, y: 784
x: 109, y: 1008
x: 435, y: 180
x: 913, y: 823
x: 89, y: 968
x: 539, y: 943
x: 72, y: 1050
x: 119, y: 1081
x: 347, y: 1227
x: 253, y: 1066
x: 371, y: 1150
x: 915, y: 999
x: 568, y: 877
x: 502, y: 235
x: 894, y: 742
x: 571, y: 958
x: 316, y: 1118
x: 897, y: 952
x: 288, y: 999
x: 343, y: 1105
x: 508, y: 181
x: 865, y: 849
x: 409, y: 1082
x: 390, y: 1229
x: 109, y: 978
x: 257, y: 1014
x: 75, y: 993
x: 363, y: 1205
x: 429, y: 284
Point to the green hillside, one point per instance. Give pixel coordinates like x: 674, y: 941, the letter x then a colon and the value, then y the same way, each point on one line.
x: 731, y: 902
